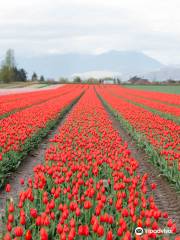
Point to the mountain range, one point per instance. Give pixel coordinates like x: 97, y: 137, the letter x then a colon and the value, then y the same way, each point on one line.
x: 163, y: 74
x: 122, y: 63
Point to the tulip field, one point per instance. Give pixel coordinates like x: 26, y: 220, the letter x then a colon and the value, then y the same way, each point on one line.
x: 88, y: 185
x: 23, y: 129
x: 159, y: 136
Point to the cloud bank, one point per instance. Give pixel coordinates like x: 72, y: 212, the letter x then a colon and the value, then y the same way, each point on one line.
x: 40, y: 27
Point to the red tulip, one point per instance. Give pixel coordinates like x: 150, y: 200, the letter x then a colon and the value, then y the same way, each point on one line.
x: 100, y: 231
x: 7, y: 236
x: 8, y: 188
x: 28, y: 235
x: 33, y: 213
x: 109, y: 235
x: 18, y: 231
x: 43, y: 234
x: 153, y: 186
x: 22, y: 181
x: 11, y: 207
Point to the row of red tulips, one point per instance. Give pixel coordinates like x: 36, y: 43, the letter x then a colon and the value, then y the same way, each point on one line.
x: 162, y: 107
x: 21, y: 131
x: 160, y: 136
x: 16, y: 96
x: 167, y: 98
x: 87, y: 187
x: 21, y: 101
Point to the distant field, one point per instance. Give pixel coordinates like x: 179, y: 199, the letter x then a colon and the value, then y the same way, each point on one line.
x: 166, y: 89
x: 23, y: 85
x: 16, y: 84
x: 20, y: 88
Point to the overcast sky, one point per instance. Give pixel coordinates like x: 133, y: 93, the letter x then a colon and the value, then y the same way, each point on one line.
x: 91, y: 26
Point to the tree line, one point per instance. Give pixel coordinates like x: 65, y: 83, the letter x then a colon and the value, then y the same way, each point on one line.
x: 9, y: 72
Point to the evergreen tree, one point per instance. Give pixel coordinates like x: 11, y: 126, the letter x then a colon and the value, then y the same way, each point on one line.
x: 42, y: 78
x: 34, y: 77
x: 20, y: 75
x: 7, y: 68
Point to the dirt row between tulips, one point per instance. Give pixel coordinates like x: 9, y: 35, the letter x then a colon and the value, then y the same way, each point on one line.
x: 25, y: 170
x: 166, y: 197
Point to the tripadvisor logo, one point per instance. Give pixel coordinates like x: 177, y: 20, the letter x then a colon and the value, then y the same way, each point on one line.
x: 139, y: 231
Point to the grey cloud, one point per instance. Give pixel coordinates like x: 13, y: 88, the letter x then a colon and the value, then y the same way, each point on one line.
x: 40, y: 27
